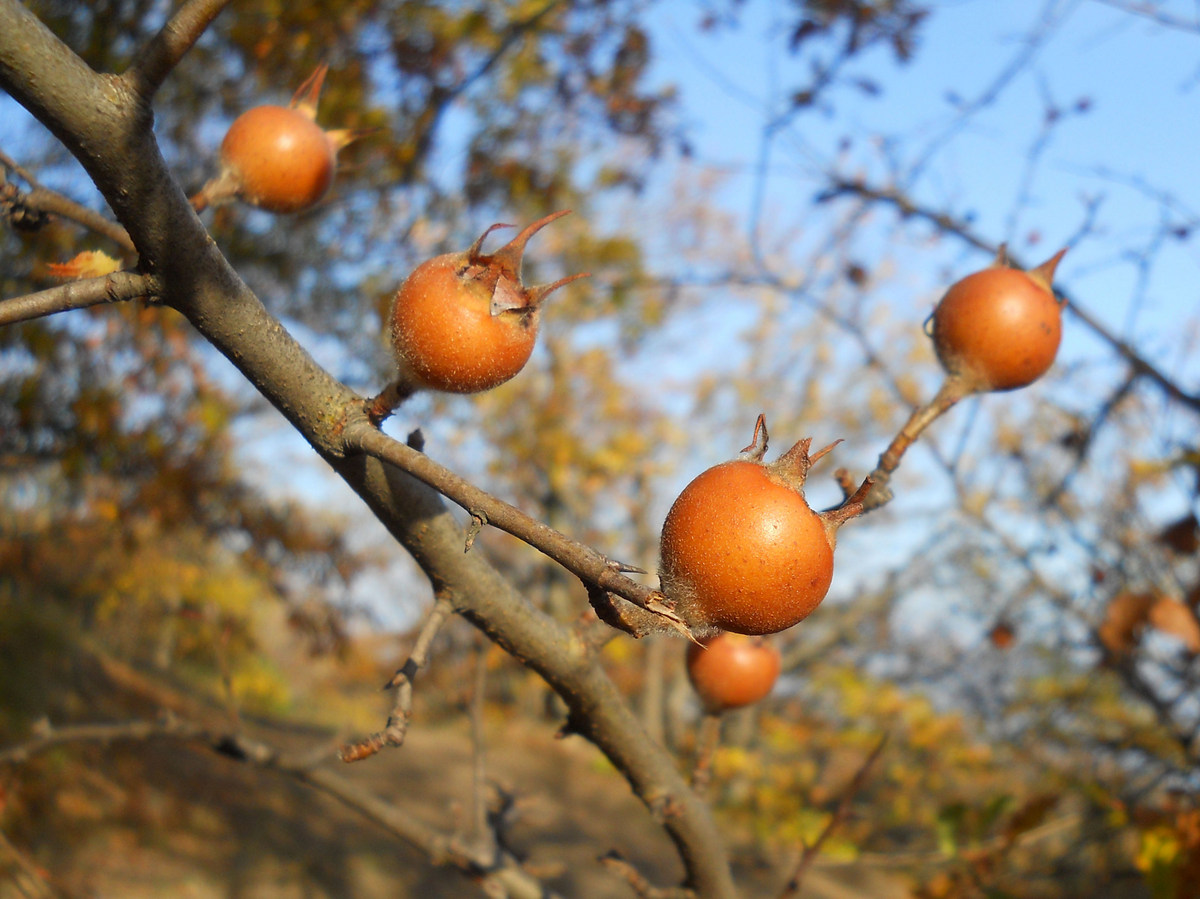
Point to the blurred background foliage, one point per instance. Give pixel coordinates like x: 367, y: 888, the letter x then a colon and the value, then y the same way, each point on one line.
x: 1022, y: 620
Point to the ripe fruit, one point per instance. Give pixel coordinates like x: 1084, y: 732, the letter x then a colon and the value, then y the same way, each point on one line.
x: 1002, y: 635
x: 999, y: 329
x: 741, y: 549
x: 278, y: 158
x: 464, y: 322
x: 729, y: 671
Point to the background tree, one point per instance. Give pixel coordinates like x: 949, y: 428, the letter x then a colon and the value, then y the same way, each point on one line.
x: 1023, y: 621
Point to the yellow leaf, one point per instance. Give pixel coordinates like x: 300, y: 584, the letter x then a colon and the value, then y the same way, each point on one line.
x: 88, y: 264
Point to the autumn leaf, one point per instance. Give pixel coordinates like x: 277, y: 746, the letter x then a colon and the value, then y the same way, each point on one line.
x: 1172, y: 617
x: 1123, y: 621
x: 88, y: 264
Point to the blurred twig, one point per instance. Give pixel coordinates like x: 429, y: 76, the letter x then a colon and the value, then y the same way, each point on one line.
x: 397, y: 723
x: 792, y: 887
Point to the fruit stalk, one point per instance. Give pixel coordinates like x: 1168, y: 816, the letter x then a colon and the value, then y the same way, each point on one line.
x: 953, y: 389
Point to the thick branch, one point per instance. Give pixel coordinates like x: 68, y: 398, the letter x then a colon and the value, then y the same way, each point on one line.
x: 114, y: 288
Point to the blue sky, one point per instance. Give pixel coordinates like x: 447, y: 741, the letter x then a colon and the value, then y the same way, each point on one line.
x: 1142, y: 123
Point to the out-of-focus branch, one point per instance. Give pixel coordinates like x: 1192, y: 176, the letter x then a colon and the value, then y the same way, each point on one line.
x: 792, y: 888
x: 1125, y: 667
x: 28, y: 208
x: 442, y: 98
x: 1140, y: 364
x: 164, y: 51
x: 708, y: 739
x: 493, y: 866
x: 642, y: 887
x: 907, y: 208
x: 479, y: 833
x: 35, y: 884
x: 1155, y: 13
x: 396, y: 728
x: 114, y: 288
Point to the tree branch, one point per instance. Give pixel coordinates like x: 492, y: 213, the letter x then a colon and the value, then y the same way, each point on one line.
x: 114, y: 288
x: 396, y: 728
x: 497, y: 866
x: 792, y: 888
x: 41, y: 201
x: 36, y: 885
x: 581, y: 560
x: 108, y: 127
x: 164, y: 51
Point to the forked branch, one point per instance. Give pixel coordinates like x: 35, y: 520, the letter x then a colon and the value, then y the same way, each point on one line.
x: 164, y: 51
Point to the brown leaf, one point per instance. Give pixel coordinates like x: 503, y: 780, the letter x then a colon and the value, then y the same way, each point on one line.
x: 1123, y: 621
x: 1183, y: 536
x: 1173, y: 617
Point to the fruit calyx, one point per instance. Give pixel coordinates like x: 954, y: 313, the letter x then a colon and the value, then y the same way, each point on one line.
x: 266, y: 137
x: 1042, y: 275
x: 500, y: 272
x: 306, y: 100
x: 792, y: 468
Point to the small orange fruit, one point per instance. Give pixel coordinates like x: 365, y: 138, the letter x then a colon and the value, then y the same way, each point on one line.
x: 999, y: 328
x: 742, y: 551
x: 464, y: 322
x: 277, y: 157
x: 729, y: 671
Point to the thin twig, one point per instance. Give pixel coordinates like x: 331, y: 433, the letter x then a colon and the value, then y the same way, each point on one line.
x: 114, y: 288
x: 792, y: 888
x: 38, y: 886
x: 581, y: 560
x: 163, y: 52
x: 1156, y: 14
x: 479, y: 833
x: 396, y: 728
x: 708, y: 739
x: 47, y: 737
x: 616, y: 863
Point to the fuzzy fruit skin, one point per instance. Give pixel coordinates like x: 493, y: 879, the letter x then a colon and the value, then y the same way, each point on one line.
x: 729, y: 671
x: 444, y: 332
x: 743, y: 552
x: 281, y: 160
x: 999, y: 328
